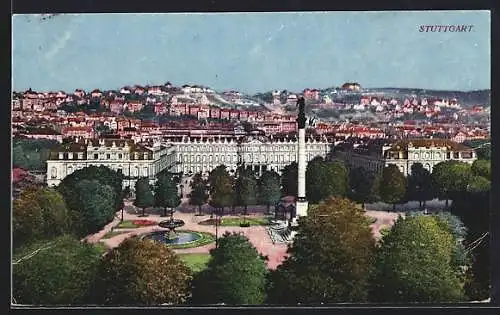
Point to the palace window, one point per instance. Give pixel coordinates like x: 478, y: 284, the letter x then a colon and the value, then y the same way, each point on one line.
x: 96, y: 156
x: 120, y: 156
x: 108, y: 156
x: 467, y: 155
x: 53, y: 172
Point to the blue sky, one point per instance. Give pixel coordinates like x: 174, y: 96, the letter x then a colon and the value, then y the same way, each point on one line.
x: 251, y: 52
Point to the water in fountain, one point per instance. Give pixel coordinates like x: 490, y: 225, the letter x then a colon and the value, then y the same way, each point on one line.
x: 171, y: 237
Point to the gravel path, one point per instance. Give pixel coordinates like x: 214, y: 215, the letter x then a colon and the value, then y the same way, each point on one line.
x: 257, y: 235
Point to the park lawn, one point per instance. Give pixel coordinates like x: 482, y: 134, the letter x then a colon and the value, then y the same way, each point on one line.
x: 239, y: 220
x: 195, y: 262
x: 101, y: 247
x: 127, y: 225
x: 110, y: 234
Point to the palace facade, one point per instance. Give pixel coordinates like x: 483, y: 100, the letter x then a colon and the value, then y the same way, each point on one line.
x: 377, y: 154
x: 185, y: 155
x: 124, y: 156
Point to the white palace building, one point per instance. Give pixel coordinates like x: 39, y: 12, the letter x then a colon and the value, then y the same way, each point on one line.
x: 185, y: 155
x: 188, y: 155
x: 377, y: 154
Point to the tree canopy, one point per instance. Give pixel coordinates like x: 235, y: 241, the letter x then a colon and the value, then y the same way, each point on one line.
x: 269, y: 188
x: 325, y: 179
x: 419, y: 184
x: 141, y: 272
x: 199, y: 191
x: 246, y: 188
x: 392, y: 185
x: 143, y: 195
x: 236, y: 274
x: 361, y: 183
x: 54, y: 272
x: 39, y: 213
x: 166, y: 192
x: 450, y: 177
x: 415, y: 263
x: 482, y: 168
x: 92, y: 206
x: 221, y: 188
x: 32, y: 154
x: 289, y: 179
x: 103, y: 174
x: 330, y: 259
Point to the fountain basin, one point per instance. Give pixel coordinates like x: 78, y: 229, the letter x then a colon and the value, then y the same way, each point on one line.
x: 182, y: 239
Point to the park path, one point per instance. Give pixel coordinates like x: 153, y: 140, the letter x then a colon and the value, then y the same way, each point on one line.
x: 257, y: 235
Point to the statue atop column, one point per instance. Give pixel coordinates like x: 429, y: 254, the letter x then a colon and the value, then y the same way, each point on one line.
x: 301, y: 119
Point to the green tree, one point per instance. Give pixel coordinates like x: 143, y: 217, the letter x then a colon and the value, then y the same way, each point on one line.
x: 166, y: 193
x: 330, y: 259
x: 375, y: 188
x: 289, y: 179
x: 484, y: 152
x: 473, y: 207
x: 269, y: 188
x: 92, y: 207
x: 18, y: 157
x: 325, y: 179
x: 199, y: 192
x: 315, y: 179
x: 414, y: 263
x: 32, y: 154
x: 103, y: 174
x: 449, y: 178
x: 457, y: 228
x: 337, y: 177
x: 482, y: 168
x: 143, y: 195
x: 420, y: 184
x: 478, y: 184
x: 221, y: 188
x: 39, y: 213
x: 236, y: 274
x: 361, y: 183
x: 246, y: 187
x: 141, y: 272
x: 55, y: 272
x: 392, y: 185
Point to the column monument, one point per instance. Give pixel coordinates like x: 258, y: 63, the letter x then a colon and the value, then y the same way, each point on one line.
x: 302, y: 204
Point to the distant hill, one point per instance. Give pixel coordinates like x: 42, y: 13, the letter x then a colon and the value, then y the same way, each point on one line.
x: 482, y: 97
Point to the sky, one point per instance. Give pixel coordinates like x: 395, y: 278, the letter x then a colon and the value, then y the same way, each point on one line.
x: 251, y: 52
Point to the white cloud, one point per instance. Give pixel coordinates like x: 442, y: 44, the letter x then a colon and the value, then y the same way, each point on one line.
x: 58, y: 45
x: 256, y: 49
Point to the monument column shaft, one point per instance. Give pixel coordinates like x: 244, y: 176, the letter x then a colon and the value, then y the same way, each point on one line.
x: 301, y: 188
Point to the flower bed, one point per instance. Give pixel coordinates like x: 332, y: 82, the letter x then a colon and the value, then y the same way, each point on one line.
x: 237, y: 221
x: 140, y: 223
x: 209, y: 221
x: 135, y: 224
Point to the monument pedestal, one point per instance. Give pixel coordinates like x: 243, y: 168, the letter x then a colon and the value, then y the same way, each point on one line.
x: 301, y: 208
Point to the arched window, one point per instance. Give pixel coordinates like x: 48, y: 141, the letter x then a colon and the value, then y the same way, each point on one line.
x: 145, y: 171
x: 136, y: 171
x: 70, y: 169
x: 53, y: 172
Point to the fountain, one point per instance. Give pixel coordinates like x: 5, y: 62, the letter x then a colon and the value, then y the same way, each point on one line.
x: 171, y: 237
